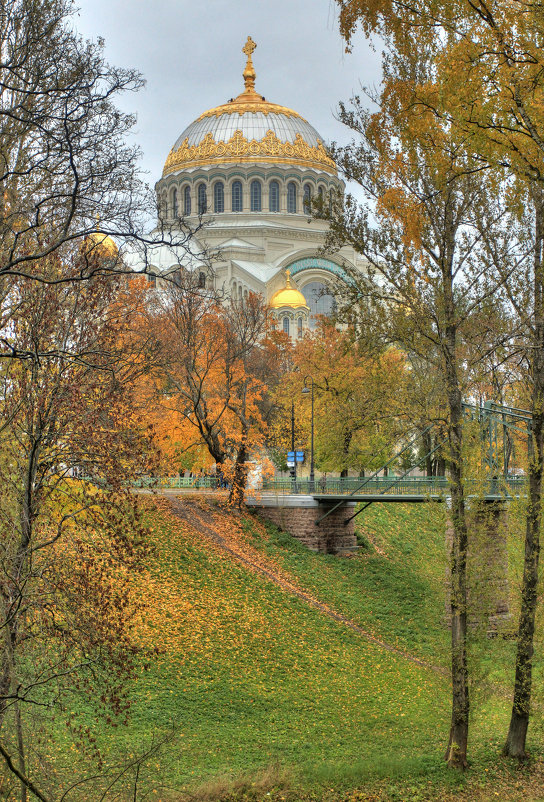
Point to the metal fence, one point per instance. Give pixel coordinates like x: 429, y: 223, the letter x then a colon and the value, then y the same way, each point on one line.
x: 178, y: 482
x: 391, y: 485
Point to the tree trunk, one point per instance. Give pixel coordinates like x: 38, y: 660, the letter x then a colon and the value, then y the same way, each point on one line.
x: 517, y: 733
x: 427, y: 448
x: 236, y: 496
x: 456, y: 752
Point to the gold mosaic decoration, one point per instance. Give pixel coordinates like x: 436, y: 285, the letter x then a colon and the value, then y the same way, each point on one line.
x: 238, y: 150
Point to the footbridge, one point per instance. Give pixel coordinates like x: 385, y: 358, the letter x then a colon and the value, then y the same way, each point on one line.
x: 321, y: 513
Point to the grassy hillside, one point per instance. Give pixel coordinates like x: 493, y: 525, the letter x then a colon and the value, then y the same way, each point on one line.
x: 257, y: 683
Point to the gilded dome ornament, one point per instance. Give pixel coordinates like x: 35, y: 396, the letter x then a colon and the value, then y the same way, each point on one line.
x: 288, y: 296
x: 238, y: 150
x: 103, y: 243
x: 249, y: 72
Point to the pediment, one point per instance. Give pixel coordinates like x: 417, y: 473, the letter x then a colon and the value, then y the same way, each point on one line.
x: 238, y: 244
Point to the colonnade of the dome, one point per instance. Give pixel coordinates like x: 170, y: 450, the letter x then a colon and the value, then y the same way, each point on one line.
x: 189, y: 194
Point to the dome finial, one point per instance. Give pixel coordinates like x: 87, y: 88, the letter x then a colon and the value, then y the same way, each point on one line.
x: 249, y: 72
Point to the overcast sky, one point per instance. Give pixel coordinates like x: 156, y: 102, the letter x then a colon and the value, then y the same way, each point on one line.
x: 190, y: 53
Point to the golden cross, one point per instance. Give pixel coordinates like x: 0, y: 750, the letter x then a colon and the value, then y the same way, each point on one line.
x: 249, y: 47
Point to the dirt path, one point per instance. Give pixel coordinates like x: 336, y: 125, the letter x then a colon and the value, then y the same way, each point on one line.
x: 202, y: 519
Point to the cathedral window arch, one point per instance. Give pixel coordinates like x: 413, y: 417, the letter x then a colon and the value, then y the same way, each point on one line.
x: 187, y: 200
x: 320, y: 196
x: 299, y: 326
x: 306, y: 198
x: 274, y: 196
x: 286, y: 325
x: 202, y: 199
x: 320, y: 300
x: 292, y: 197
x: 237, y: 204
x: 163, y: 207
x: 202, y: 280
x: 174, y: 203
x: 255, y: 195
x: 218, y: 197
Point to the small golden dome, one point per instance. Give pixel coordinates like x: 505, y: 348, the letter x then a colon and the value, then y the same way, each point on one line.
x: 288, y: 296
x: 103, y: 244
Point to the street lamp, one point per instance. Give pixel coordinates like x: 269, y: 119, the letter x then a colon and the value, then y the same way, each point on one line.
x: 293, y: 470
x: 306, y: 390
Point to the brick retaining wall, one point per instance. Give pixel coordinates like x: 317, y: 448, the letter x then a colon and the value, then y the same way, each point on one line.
x: 331, y: 536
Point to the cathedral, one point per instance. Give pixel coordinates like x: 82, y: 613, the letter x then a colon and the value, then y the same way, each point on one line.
x: 249, y: 170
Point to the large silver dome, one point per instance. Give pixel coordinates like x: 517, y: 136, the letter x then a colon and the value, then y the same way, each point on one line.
x: 249, y: 129
x: 222, y: 125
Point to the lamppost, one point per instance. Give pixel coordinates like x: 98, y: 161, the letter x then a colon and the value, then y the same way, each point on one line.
x: 306, y: 390
x: 294, y: 468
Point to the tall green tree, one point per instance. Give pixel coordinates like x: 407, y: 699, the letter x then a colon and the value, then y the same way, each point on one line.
x: 421, y: 233
x: 487, y: 83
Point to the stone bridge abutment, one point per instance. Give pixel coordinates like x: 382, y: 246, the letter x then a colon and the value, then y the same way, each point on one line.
x: 298, y: 515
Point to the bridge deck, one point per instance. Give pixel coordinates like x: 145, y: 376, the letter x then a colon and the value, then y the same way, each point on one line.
x: 404, y: 497
x: 398, y: 498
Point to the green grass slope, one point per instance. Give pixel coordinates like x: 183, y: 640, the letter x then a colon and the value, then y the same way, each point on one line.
x: 252, y: 681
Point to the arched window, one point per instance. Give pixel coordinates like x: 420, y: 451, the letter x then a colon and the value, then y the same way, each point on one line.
x: 163, y: 207
x: 240, y: 292
x: 274, y: 196
x: 218, y: 197
x: 319, y: 299
x: 321, y: 199
x: 187, y: 200
x: 330, y: 200
x: 202, y: 200
x: 202, y: 280
x: 236, y: 196
x: 175, y: 203
x: 286, y: 325
x: 300, y: 327
x: 306, y: 202
x: 292, y: 197
x: 255, y: 195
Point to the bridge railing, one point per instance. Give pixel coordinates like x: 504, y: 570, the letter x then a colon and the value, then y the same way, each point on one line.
x: 387, y: 485
x: 418, y: 485
x: 391, y: 485
x: 178, y: 482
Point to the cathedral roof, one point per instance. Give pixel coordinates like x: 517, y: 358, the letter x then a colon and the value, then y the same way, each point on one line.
x: 249, y: 129
x: 103, y: 244
x: 288, y: 296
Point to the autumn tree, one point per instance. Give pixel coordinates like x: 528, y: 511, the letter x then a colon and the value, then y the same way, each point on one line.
x: 64, y: 159
x: 517, y: 257
x: 356, y: 387
x: 487, y: 83
x: 67, y: 545
x: 208, y: 383
x: 421, y: 234
x: 486, y: 78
